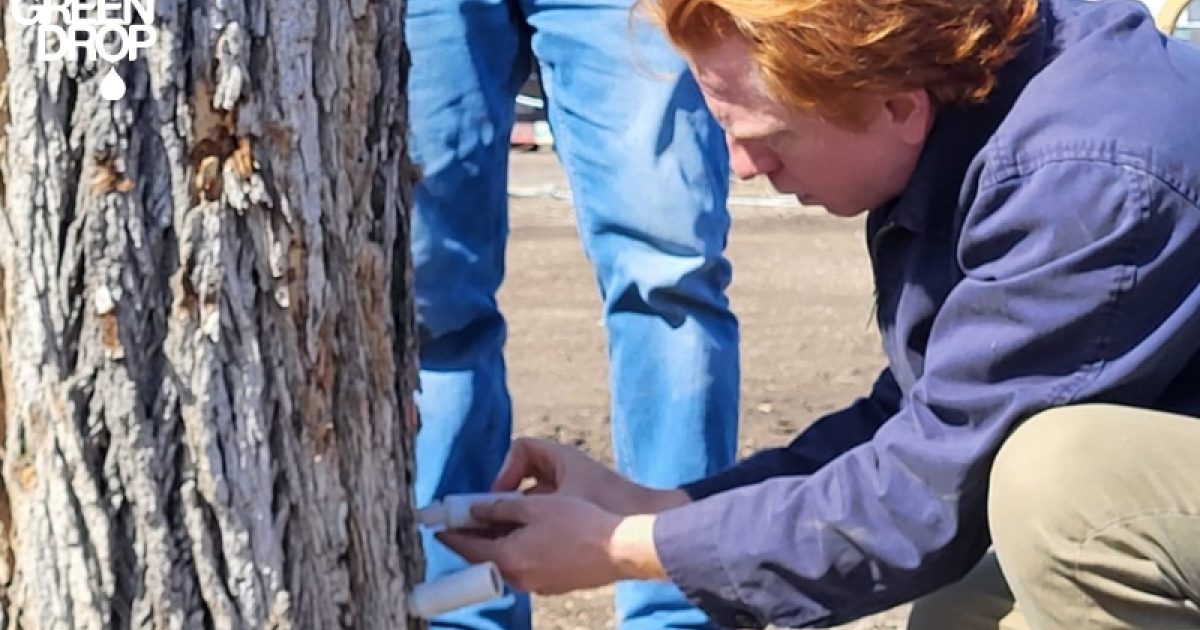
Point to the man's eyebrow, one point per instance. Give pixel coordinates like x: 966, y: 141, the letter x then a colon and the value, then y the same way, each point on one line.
x: 758, y: 134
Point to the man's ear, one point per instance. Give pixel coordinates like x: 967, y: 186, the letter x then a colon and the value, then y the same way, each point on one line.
x: 910, y: 114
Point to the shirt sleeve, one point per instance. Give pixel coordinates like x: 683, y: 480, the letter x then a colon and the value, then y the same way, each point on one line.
x: 1081, y: 285
x: 816, y: 446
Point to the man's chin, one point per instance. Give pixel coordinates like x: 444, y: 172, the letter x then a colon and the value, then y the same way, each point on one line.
x: 845, y: 212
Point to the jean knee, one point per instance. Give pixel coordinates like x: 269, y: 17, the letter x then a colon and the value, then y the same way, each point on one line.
x: 1039, y: 481
x: 1050, y: 459
x: 1027, y: 472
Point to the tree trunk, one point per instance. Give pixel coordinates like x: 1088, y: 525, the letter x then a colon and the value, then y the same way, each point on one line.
x: 206, y: 331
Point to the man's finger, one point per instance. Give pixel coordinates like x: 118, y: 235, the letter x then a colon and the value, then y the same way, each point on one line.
x: 473, y: 548
x: 514, y: 511
x: 526, y: 458
x: 541, y: 489
x: 514, y: 468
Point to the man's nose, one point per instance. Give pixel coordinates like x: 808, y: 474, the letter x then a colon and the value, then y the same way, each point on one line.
x: 746, y: 164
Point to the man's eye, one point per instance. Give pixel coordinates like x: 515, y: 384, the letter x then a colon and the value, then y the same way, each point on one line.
x: 776, y: 140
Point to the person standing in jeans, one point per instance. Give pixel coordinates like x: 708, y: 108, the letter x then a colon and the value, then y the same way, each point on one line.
x: 648, y: 169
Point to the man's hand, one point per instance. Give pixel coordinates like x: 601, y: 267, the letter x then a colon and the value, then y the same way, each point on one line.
x: 561, y: 469
x: 555, y: 544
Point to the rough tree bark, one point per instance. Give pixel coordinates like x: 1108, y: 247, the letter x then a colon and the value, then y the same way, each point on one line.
x: 205, y: 334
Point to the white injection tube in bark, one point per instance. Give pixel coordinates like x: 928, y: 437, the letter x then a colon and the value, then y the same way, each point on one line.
x: 474, y: 585
x: 454, y: 511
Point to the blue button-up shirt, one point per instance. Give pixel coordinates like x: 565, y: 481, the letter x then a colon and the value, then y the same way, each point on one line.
x: 1046, y: 252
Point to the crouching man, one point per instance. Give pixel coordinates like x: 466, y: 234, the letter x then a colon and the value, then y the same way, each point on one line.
x: 1030, y: 457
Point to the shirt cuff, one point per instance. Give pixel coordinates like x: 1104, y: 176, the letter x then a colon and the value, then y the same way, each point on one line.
x: 688, y: 547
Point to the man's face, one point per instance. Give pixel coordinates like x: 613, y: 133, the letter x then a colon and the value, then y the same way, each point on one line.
x: 820, y: 163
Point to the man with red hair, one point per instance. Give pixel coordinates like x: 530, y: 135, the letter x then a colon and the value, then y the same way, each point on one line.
x: 1028, y: 458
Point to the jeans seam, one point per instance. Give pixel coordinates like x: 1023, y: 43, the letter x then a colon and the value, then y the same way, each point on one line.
x: 563, y: 143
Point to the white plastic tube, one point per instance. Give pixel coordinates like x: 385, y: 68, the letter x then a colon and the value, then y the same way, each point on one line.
x: 454, y: 511
x: 474, y: 585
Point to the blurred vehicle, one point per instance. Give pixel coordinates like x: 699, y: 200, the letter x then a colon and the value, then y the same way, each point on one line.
x: 1180, y: 18
x: 531, y: 130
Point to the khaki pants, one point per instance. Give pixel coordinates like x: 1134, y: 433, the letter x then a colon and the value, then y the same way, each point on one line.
x: 1095, y: 517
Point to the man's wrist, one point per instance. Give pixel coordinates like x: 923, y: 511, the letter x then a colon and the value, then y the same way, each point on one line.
x: 631, y: 549
x: 651, y: 501
x: 664, y: 500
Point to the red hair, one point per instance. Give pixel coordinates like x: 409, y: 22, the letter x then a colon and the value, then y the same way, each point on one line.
x: 826, y: 55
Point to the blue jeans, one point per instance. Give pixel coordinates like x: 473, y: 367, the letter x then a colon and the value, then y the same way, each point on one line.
x: 648, y: 169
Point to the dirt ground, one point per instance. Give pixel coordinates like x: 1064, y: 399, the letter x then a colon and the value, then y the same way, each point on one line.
x: 801, y: 290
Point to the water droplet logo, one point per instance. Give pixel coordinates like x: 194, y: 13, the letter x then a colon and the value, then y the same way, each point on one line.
x: 112, y: 87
